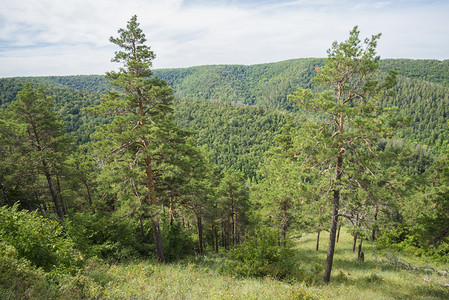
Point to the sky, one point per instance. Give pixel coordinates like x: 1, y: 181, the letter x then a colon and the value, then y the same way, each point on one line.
x: 71, y: 37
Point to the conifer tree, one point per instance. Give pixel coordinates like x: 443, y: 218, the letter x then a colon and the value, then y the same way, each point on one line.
x: 142, y: 145
x: 38, y: 145
x: 343, y: 142
x: 234, y: 204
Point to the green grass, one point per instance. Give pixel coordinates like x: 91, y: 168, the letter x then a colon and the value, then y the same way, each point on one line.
x: 200, y: 278
x: 353, y: 279
x: 148, y: 280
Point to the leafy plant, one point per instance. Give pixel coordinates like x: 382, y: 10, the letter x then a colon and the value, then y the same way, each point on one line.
x: 176, y: 242
x: 19, y: 279
x: 39, y: 240
x: 261, y: 255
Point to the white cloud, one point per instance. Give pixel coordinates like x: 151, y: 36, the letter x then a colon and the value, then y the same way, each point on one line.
x: 50, y: 37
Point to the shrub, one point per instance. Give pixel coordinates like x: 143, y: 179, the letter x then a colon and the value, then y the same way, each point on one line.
x: 40, y: 241
x: 108, y: 238
x: 176, y: 243
x: 373, y: 277
x: 299, y: 293
x: 341, y: 277
x: 19, y: 279
x: 260, y: 255
x: 80, y: 287
x: 440, y: 252
x: 398, y: 239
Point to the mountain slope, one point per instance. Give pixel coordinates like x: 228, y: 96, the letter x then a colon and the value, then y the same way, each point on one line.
x: 422, y: 96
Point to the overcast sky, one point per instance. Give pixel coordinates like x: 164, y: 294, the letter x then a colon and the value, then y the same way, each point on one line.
x: 70, y: 37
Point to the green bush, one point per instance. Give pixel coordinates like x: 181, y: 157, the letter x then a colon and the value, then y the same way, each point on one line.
x: 440, y: 252
x: 106, y: 237
x: 400, y: 238
x: 176, y: 243
x: 260, y: 255
x: 80, y: 287
x: 372, y: 278
x: 19, y: 279
x: 40, y: 241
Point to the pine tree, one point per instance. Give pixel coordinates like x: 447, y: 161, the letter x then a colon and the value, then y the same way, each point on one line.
x: 38, y: 145
x: 142, y: 145
x: 351, y: 122
x: 234, y: 204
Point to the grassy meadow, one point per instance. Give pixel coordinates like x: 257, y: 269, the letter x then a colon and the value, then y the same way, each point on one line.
x: 353, y: 279
x: 202, y: 278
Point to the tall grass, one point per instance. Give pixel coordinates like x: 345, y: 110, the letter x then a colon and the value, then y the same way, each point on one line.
x: 149, y: 280
x: 354, y: 279
x: 200, y: 278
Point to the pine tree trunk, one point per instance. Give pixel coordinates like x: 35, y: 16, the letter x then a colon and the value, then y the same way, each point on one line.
x: 284, y: 224
x: 233, y: 223
x: 89, y: 197
x: 227, y: 235
x: 154, y: 216
x: 171, y: 211
x: 142, y: 229
x: 332, y: 238
x: 319, y: 230
x: 338, y: 233
x: 223, y: 238
x: 373, y: 234
x: 234, y: 231
x: 200, y: 235
x: 157, y: 238
x: 216, y: 237
x: 64, y: 207
x: 334, y: 221
x: 284, y: 235
x: 354, y: 243
x: 54, y: 197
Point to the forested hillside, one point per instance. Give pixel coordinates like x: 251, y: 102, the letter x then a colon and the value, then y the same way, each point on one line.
x: 422, y: 91
x: 228, y: 167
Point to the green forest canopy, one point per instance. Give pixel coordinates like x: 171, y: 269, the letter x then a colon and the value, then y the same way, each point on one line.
x: 204, y: 95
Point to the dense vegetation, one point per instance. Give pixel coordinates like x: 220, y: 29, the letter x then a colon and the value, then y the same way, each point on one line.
x: 223, y: 175
x: 421, y: 93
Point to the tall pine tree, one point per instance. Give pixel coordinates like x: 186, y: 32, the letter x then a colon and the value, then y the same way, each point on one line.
x: 37, y: 145
x: 341, y: 146
x: 142, y: 145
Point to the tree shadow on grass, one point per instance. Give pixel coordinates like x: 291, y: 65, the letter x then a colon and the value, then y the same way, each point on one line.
x: 368, y: 277
x: 346, y: 265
